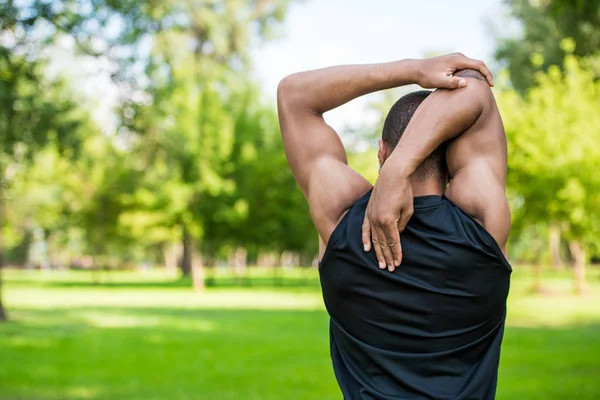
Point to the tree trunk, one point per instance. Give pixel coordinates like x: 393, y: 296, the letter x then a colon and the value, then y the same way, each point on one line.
x: 171, y: 252
x: 238, y: 261
x: 3, y: 315
x: 197, y: 272
x: 538, y: 269
x: 579, y: 261
x: 209, y: 265
x: 56, y: 257
x: 537, y: 277
x: 186, y: 260
x: 278, y: 269
x: 554, y: 245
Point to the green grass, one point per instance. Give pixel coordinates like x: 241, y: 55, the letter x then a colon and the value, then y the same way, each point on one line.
x: 141, y: 336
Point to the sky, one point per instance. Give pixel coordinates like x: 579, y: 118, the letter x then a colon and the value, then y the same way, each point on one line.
x: 321, y: 33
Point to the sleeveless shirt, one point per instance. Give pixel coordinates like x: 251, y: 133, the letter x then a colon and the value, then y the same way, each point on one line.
x: 430, y: 330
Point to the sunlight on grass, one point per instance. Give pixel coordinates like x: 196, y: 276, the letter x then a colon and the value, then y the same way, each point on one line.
x: 51, y: 298
x: 123, y: 320
x: 142, y: 339
x: 44, y: 291
x: 82, y: 393
x: 28, y: 342
x: 559, y: 306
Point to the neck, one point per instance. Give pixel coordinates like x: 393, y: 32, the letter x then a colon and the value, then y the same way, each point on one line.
x: 426, y: 187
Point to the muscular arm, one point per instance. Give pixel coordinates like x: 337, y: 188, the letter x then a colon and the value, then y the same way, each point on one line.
x: 304, y: 97
x: 442, y: 116
x: 314, y: 151
x: 476, y: 161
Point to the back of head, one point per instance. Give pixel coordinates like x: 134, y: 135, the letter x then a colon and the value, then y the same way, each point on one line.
x: 434, y: 166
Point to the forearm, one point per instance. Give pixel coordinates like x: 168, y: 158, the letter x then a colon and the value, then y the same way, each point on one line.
x: 441, y: 117
x: 325, y: 89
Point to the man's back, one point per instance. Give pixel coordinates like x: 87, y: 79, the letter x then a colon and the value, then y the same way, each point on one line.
x: 431, y: 330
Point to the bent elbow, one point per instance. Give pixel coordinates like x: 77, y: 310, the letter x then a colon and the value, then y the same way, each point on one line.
x: 285, y: 89
x: 291, y: 90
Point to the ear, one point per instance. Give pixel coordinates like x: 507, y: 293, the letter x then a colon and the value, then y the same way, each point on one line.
x: 382, y: 153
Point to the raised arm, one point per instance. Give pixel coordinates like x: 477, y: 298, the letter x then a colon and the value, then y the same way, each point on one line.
x: 314, y: 150
x: 441, y: 117
x: 304, y: 97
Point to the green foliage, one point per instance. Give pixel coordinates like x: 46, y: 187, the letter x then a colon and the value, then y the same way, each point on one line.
x: 202, y: 132
x: 34, y: 111
x: 554, y: 153
x: 198, y: 152
x: 186, y: 121
x: 545, y: 25
x: 41, y: 131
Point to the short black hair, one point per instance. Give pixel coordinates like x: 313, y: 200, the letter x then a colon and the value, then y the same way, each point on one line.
x: 395, y: 124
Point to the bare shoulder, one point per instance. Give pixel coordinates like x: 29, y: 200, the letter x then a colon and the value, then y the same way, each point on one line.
x: 477, y: 163
x: 334, y: 188
x: 476, y: 190
x: 477, y: 84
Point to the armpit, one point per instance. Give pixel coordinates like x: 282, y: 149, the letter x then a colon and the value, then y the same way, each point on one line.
x: 470, y: 73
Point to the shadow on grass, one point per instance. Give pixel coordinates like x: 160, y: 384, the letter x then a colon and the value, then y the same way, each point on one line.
x: 227, y: 354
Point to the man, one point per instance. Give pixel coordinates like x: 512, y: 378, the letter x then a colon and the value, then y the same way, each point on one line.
x: 432, y: 328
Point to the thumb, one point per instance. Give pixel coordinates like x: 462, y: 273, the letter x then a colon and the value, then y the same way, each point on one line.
x: 454, y: 82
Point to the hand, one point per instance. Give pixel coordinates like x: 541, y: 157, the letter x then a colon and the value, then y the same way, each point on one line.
x: 391, y: 203
x: 437, y: 72
x: 389, y: 209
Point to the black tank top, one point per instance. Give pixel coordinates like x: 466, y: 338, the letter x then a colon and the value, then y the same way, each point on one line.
x: 430, y: 330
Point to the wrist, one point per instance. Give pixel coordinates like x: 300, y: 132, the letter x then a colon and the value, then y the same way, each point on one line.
x: 402, y: 72
x: 415, y: 71
x: 401, y: 167
x: 411, y: 70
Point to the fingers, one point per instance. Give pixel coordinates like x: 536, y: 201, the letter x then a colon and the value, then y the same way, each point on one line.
x: 377, y: 248
x: 404, y: 218
x: 466, y: 62
x: 397, y: 230
x: 393, y: 244
x: 366, y: 233
x: 385, y: 248
x: 371, y: 235
x: 386, y: 243
x: 400, y: 252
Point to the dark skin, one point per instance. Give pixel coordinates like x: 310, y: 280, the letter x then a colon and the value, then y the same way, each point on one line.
x: 476, y: 159
x: 464, y: 107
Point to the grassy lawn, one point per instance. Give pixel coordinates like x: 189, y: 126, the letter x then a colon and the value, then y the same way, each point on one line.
x: 142, y: 336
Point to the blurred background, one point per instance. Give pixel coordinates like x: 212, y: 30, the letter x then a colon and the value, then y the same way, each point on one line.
x: 154, y: 243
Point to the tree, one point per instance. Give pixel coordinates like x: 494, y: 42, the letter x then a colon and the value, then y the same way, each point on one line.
x: 180, y: 118
x: 544, y: 25
x: 190, y: 87
x: 33, y: 112
x: 552, y: 135
x: 266, y: 212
